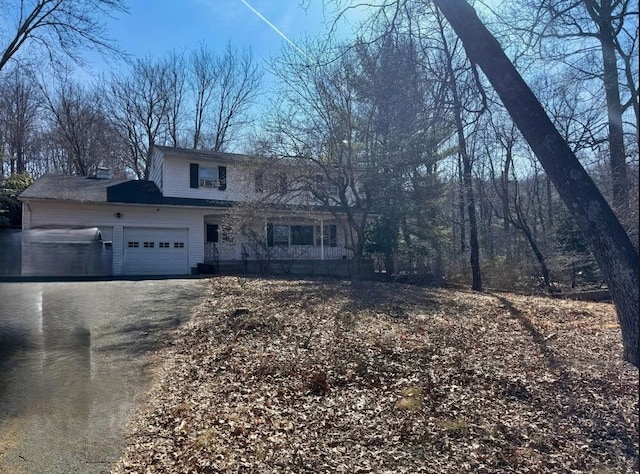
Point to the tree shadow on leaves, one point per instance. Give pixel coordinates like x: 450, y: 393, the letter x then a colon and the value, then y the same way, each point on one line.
x: 571, y: 403
x: 536, y: 336
x: 396, y: 301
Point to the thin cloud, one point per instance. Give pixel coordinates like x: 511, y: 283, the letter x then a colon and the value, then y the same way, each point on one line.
x: 277, y: 30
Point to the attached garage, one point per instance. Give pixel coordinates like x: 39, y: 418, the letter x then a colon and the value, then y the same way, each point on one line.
x: 155, y: 251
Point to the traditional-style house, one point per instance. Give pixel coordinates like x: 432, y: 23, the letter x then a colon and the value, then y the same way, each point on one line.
x: 179, y: 221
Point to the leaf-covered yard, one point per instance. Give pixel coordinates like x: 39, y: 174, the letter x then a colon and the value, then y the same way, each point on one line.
x: 323, y: 376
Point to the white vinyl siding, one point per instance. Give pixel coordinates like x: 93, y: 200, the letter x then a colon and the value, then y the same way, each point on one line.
x: 75, y: 214
x: 241, y: 182
x: 156, y: 171
x: 177, y: 179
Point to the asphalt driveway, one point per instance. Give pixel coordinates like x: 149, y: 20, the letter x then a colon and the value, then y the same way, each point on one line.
x: 74, y: 365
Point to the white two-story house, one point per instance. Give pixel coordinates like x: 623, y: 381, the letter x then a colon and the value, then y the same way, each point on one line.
x: 182, y: 218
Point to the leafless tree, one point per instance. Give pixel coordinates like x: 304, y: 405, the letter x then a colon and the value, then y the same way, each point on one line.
x: 57, y: 27
x: 138, y: 104
x: 177, y: 93
x: 598, y: 39
x: 203, y: 78
x: 616, y: 256
x: 80, y: 130
x: 237, y: 84
x: 456, y: 74
x: 152, y: 102
x: 319, y: 128
x: 19, y: 112
x: 516, y: 203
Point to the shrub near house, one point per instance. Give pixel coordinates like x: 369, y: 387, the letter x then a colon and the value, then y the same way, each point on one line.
x: 10, y: 209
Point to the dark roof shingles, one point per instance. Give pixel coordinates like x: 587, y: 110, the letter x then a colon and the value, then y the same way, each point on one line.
x: 69, y: 188
x: 88, y: 189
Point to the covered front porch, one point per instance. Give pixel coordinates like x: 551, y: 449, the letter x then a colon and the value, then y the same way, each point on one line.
x: 277, y: 241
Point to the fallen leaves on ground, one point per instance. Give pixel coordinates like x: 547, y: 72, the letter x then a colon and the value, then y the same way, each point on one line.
x: 276, y: 375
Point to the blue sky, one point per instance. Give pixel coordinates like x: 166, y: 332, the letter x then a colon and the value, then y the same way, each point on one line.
x: 155, y: 27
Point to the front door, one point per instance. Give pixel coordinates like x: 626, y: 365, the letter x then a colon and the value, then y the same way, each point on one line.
x: 212, y: 233
x: 220, y: 244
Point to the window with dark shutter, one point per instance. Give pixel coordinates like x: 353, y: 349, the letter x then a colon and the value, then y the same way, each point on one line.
x: 194, y: 171
x: 259, y: 181
x: 270, y: 235
x: 282, y: 183
x: 222, y: 178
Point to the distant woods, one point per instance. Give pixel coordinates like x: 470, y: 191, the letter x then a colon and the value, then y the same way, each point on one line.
x: 196, y: 99
x: 455, y: 190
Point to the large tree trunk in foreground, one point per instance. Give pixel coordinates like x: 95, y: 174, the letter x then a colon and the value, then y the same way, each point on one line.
x: 617, y: 258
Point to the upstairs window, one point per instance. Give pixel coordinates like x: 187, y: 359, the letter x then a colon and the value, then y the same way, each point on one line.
x: 207, y: 177
x: 279, y: 183
x: 324, y: 186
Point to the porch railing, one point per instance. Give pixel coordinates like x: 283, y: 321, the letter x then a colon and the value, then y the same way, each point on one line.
x: 291, y: 252
x: 307, y: 252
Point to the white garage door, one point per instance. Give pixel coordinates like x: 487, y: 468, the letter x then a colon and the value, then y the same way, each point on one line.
x: 151, y: 251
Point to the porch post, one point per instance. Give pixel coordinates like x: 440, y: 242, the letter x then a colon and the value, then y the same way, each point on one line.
x: 321, y: 239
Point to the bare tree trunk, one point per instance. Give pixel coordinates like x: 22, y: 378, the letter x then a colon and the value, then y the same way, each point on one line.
x: 505, y: 201
x: 520, y: 222
x: 467, y: 179
x: 474, y: 246
x: 616, y: 256
x: 20, y: 162
x: 602, y: 15
x: 461, y: 205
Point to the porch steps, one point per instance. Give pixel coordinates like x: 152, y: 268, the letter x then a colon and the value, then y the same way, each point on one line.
x: 231, y: 268
x: 224, y: 268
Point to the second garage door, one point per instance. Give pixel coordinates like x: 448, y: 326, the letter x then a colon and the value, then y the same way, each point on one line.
x: 155, y: 251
